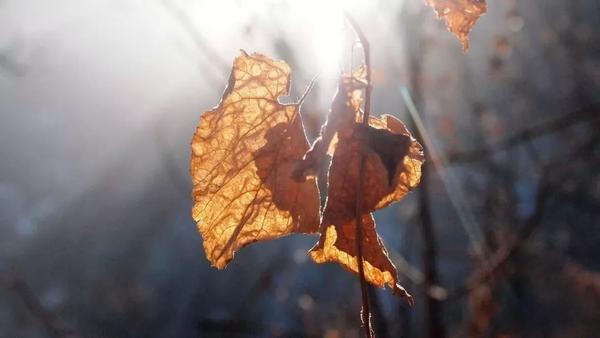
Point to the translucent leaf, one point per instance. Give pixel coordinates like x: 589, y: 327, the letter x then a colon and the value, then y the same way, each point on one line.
x: 393, y: 160
x: 460, y: 16
x: 243, y: 154
x: 252, y: 182
x: 401, y: 156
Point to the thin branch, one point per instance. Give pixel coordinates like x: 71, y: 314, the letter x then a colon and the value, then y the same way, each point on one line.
x: 528, y: 134
x: 365, y: 313
x: 307, y: 90
x: 381, y: 326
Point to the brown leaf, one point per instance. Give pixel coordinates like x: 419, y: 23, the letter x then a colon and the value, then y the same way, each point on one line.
x: 460, y: 16
x: 251, y: 181
x: 401, y: 155
x: 393, y: 162
x: 243, y: 154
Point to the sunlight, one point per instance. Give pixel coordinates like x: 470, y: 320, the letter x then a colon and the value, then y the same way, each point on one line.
x: 325, y: 21
x: 317, y: 27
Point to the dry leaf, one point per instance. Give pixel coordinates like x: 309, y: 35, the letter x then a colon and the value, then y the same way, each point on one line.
x: 243, y: 154
x: 343, y: 114
x: 252, y: 183
x: 402, y: 157
x: 393, y: 162
x: 460, y: 16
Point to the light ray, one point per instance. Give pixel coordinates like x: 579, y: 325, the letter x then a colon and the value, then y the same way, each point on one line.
x: 455, y: 193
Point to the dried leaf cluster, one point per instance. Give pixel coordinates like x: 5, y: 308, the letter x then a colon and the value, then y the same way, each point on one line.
x: 253, y: 171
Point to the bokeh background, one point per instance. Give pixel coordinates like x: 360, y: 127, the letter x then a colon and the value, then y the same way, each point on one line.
x: 98, y: 103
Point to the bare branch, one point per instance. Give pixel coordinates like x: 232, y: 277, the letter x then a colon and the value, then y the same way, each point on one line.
x: 366, y: 314
x: 561, y: 123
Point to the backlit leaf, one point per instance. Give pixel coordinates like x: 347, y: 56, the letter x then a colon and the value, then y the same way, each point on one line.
x: 460, y: 16
x: 243, y: 154
x: 392, y: 168
x: 254, y: 178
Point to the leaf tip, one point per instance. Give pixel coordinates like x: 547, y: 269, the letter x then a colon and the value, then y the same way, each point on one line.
x: 400, y: 291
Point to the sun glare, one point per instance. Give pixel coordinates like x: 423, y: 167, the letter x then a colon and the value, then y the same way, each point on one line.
x: 322, y: 23
x: 325, y: 20
x: 327, y: 24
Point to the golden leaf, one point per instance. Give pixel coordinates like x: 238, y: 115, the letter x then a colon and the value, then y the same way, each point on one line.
x: 243, y: 154
x: 252, y: 182
x: 392, y: 167
x: 460, y: 16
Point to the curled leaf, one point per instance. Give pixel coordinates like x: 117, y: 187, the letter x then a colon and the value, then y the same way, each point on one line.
x: 243, y: 154
x: 392, y: 168
x: 393, y: 160
x: 401, y: 156
x: 460, y: 16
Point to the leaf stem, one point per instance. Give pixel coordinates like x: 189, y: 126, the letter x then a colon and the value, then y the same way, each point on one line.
x: 365, y: 313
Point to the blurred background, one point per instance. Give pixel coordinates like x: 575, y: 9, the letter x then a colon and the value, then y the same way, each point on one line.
x: 98, y: 103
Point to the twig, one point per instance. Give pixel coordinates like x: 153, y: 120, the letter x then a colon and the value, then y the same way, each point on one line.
x: 381, y: 327
x: 528, y: 134
x: 365, y: 313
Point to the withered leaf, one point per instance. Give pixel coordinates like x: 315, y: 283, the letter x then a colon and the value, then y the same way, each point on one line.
x: 252, y: 182
x: 460, y: 16
x: 393, y: 160
x: 243, y: 154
